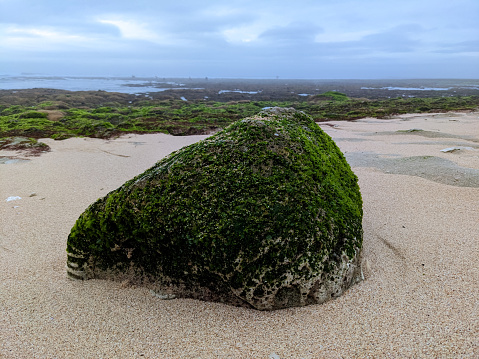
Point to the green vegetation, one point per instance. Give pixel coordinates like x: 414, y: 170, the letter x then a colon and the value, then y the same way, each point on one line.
x: 263, y: 211
x: 55, y: 120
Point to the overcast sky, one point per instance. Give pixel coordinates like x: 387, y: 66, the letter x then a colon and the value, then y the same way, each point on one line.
x: 317, y: 39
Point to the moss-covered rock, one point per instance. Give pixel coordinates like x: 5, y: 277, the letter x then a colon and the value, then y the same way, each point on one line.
x: 266, y: 213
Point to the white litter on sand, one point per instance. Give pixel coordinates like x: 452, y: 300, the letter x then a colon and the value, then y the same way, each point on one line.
x: 457, y: 148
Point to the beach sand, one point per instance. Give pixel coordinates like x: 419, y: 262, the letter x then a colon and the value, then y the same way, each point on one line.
x: 419, y: 298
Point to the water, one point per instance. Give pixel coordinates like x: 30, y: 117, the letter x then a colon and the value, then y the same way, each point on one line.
x: 144, y: 85
x: 110, y: 84
x: 239, y: 91
x: 419, y: 88
x: 9, y: 160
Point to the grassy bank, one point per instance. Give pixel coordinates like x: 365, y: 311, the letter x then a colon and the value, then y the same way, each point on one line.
x: 58, y: 120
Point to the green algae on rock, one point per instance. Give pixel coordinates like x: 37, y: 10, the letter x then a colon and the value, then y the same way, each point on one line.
x: 266, y: 214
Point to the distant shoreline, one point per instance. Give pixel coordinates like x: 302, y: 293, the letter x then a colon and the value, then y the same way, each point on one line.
x: 375, y: 88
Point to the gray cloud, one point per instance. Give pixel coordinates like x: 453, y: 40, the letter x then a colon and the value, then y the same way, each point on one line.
x: 399, y: 39
x: 310, y: 38
x: 460, y: 47
x: 292, y: 33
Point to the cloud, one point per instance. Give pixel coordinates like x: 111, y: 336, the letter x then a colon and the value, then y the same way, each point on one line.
x: 133, y: 30
x: 460, y: 47
x: 398, y: 39
x: 394, y: 41
x: 41, y: 33
x: 238, y: 37
x: 38, y: 38
x: 293, y: 33
x: 243, y: 34
x: 341, y: 37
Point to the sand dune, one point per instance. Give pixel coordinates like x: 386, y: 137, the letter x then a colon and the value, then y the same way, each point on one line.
x: 420, y: 296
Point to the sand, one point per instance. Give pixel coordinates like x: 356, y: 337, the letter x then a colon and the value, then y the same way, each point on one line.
x: 420, y: 296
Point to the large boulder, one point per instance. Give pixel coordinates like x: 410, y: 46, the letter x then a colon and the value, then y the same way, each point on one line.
x: 266, y: 214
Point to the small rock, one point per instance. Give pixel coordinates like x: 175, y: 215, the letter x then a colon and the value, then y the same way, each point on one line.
x: 410, y: 130
x: 368, y: 265
x: 125, y: 283
x: 13, y: 198
x: 162, y: 296
x: 33, y: 194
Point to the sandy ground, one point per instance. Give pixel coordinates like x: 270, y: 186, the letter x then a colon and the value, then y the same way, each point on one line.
x: 420, y: 296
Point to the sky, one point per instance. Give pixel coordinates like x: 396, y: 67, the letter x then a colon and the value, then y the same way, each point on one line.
x: 304, y: 39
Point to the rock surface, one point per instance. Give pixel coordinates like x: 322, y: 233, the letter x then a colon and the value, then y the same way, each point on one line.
x: 266, y: 214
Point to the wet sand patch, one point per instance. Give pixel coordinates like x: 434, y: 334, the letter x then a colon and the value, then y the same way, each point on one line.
x: 424, y: 133
x: 4, y: 160
x: 432, y: 168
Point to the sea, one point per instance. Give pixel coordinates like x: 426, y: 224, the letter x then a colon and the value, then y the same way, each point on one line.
x: 140, y: 85
x: 131, y: 85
